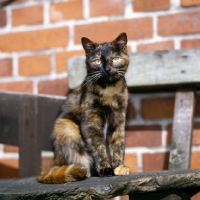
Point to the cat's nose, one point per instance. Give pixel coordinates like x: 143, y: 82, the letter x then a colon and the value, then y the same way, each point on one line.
x: 107, y: 69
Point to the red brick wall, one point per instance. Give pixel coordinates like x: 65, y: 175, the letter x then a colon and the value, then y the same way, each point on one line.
x: 38, y: 37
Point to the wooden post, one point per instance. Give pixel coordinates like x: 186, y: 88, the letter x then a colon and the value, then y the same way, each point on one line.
x: 29, y: 139
x: 182, y: 130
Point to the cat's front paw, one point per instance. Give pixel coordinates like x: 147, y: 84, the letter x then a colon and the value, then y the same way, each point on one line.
x: 106, y: 172
x: 122, y: 170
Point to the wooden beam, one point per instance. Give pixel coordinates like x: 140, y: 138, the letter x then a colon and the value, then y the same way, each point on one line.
x: 182, y: 130
x: 48, y: 108
x: 104, y: 187
x: 29, y: 137
x: 8, y: 118
x: 150, y: 70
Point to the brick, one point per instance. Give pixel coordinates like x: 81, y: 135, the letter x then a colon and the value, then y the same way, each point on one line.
x: 130, y: 114
x: 18, y: 86
x: 156, y: 46
x: 130, y: 160
x: 55, y: 87
x: 195, y: 161
x: 34, y: 65
x: 157, y: 108
x: 129, y: 49
x: 155, y: 161
x: 3, y: 20
x: 195, y: 134
x: 181, y: 23
x: 126, y: 197
x: 143, y: 135
x: 5, y: 67
x: 34, y: 40
x: 66, y: 10
x: 62, y: 59
x: 27, y: 15
x: 190, y: 3
x: 10, y: 148
x: 169, y: 134
x: 9, y: 168
x: 150, y: 5
x: 136, y: 28
x: 47, y: 161
x: 196, y: 196
x: 106, y: 8
x: 190, y: 43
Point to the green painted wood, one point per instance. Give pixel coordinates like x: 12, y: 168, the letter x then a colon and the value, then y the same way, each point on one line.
x: 151, y: 70
x: 101, y: 188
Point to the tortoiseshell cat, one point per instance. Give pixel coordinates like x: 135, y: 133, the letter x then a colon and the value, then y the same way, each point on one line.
x: 89, y: 134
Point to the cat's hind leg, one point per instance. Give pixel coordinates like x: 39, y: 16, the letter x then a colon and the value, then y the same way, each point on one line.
x: 71, y: 161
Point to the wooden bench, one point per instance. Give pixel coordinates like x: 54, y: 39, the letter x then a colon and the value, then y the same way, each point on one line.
x: 27, y: 121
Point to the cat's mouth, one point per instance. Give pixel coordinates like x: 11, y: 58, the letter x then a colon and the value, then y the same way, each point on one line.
x: 110, y: 77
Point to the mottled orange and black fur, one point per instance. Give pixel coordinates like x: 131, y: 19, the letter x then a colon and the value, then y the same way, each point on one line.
x: 89, y: 134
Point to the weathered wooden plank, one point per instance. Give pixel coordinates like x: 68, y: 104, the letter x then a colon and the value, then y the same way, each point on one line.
x: 8, y: 118
x: 182, y: 130
x: 29, y: 137
x: 48, y: 108
x: 101, y: 187
x: 27, y: 121
x: 159, y: 69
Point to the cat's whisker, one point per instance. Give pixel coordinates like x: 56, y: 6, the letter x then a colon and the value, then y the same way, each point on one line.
x: 122, y: 78
x: 90, y: 79
x: 92, y: 73
x: 96, y: 79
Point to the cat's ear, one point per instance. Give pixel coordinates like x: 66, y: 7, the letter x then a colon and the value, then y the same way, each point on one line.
x: 121, y: 41
x: 87, y: 44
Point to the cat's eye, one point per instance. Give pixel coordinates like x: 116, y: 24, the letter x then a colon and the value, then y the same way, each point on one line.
x: 116, y: 59
x: 98, y: 61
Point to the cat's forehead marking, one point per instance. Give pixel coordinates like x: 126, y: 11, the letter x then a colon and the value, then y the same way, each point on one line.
x: 106, y: 49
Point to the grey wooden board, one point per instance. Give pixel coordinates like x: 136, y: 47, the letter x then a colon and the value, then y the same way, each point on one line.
x: 151, y: 69
x: 182, y: 130
x: 8, y: 118
x: 48, y: 108
x: 101, y: 188
x: 28, y: 136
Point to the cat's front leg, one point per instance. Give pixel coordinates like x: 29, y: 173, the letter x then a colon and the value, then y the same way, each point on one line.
x: 117, y: 149
x: 92, y: 131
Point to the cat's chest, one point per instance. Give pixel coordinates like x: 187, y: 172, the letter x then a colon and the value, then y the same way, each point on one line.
x: 110, y: 96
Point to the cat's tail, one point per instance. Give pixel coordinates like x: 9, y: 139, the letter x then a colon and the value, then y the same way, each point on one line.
x: 63, y: 174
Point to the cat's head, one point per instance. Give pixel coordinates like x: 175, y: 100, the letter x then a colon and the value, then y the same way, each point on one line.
x: 106, y: 62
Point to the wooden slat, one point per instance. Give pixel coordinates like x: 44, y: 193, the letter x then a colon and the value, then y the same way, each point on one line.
x: 29, y: 137
x: 182, y: 130
x: 48, y: 107
x: 159, y: 69
x: 27, y: 121
x: 8, y: 118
